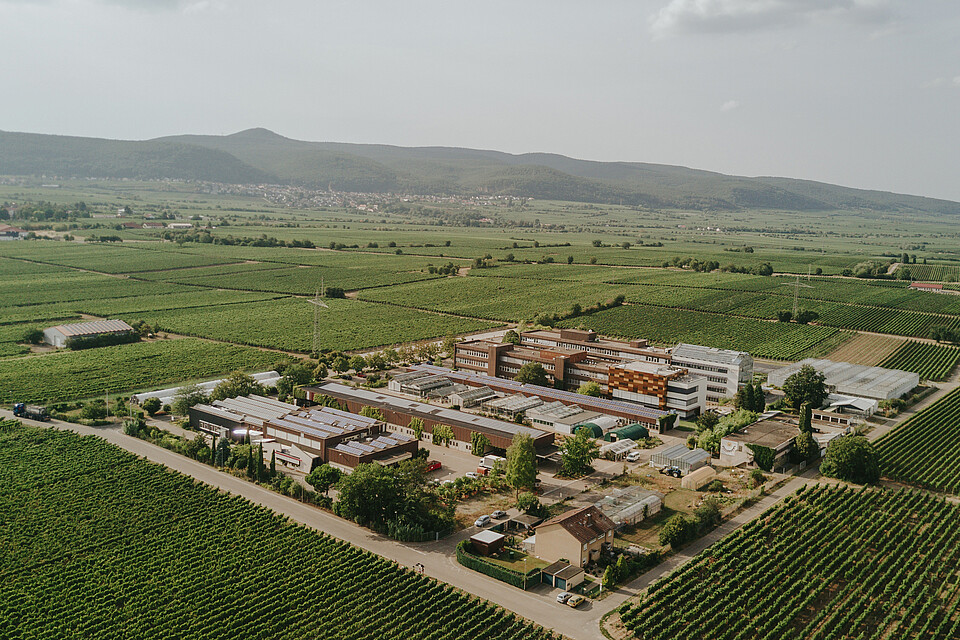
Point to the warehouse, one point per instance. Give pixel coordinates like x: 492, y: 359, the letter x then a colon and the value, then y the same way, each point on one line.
x: 399, y: 412
x: 853, y: 379
x: 65, y: 334
x: 303, y: 438
x: 629, y: 411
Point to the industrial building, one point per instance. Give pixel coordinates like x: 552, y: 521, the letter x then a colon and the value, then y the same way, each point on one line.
x: 629, y: 412
x: 571, y: 358
x: 167, y: 396
x: 853, y: 379
x: 61, y: 335
x: 776, y: 431
x: 399, y: 412
x: 559, y: 417
x: 303, y: 438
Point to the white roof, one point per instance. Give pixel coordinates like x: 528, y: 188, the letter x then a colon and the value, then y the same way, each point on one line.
x: 853, y: 379
x: 92, y: 328
x: 710, y: 354
x: 487, y: 536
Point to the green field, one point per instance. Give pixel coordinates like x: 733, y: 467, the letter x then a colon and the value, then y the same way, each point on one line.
x: 287, y: 324
x: 827, y: 563
x: 772, y: 340
x: 66, y: 375
x: 925, y: 450
x: 931, y: 361
x: 100, y: 544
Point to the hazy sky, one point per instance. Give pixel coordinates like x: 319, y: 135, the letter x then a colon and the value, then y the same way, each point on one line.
x: 864, y: 93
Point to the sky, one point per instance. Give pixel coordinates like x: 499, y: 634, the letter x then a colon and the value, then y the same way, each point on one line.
x: 863, y: 93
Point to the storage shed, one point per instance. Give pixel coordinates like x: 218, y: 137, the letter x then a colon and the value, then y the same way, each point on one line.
x: 698, y: 479
x: 487, y: 542
x: 61, y: 335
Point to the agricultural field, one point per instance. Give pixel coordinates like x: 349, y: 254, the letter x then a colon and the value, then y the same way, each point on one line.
x: 925, y: 450
x: 773, y: 340
x: 935, y: 272
x: 828, y: 562
x: 66, y: 375
x: 506, y: 299
x: 189, y: 299
x: 106, y: 258
x: 287, y: 324
x: 866, y: 349
x: 931, y: 361
x: 101, y: 544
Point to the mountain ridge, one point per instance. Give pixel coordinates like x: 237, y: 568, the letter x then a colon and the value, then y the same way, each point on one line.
x: 259, y: 155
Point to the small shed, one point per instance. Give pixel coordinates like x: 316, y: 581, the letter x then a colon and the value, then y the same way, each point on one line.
x: 523, y: 522
x: 617, y: 450
x: 487, y: 542
x: 698, y: 479
x: 562, y: 575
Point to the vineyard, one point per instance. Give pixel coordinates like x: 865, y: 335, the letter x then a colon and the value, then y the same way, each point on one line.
x: 931, y: 361
x: 773, y: 340
x: 288, y: 324
x: 828, y: 562
x: 925, y: 450
x: 100, y: 544
x: 935, y: 272
x: 66, y: 375
x: 866, y: 349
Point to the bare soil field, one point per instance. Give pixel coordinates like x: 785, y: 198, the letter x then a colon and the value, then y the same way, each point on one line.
x: 866, y: 349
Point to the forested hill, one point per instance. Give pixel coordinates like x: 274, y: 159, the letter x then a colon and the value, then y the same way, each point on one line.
x: 261, y: 156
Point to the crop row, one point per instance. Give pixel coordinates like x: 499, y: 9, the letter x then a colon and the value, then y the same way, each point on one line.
x: 288, y: 324
x: 67, y: 375
x: 925, y: 450
x: 106, y: 258
x: 99, y: 544
x: 935, y: 272
x: 762, y: 339
x: 828, y: 562
x: 931, y: 361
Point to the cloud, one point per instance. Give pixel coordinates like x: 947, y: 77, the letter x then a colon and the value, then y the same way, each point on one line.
x: 730, y: 105
x: 942, y: 82
x: 725, y: 16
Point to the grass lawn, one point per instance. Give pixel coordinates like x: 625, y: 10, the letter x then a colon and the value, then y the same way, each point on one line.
x: 517, y: 562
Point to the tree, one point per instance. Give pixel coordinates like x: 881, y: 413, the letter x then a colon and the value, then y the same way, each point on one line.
x: 528, y: 502
x: 152, y: 406
x: 450, y: 345
x: 294, y: 375
x: 372, y: 493
x: 759, y: 398
x: 377, y: 362
x: 806, y: 418
x: 358, y: 363
x: 744, y: 398
x: 417, y: 425
x: 806, y: 385
x: 324, y: 477
x: 784, y: 316
x: 805, y: 448
x: 223, y: 452
x: 851, y: 458
x: 676, y: 531
x: 707, y: 420
x: 320, y: 372
x: 194, y: 446
x: 533, y: 373
x: 273, y: 464
x: 590, y: 389
x: 235, y: 385
x: 186, y: 397
x: 33, y: 336
x: 806, y: 316
x: 512, y: 337
x: 442, y: 434
x: 521, y: 463
x: 340, y: 364
x: 372, y: 412
x: 577, y: 454
x: 478, y: 443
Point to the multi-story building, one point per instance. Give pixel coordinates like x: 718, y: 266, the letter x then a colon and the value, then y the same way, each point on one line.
x: 725, y: 370
x: 577, y: 536
x: 682, y: 379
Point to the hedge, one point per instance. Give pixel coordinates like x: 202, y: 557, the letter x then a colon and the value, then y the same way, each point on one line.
x: 478, y: 563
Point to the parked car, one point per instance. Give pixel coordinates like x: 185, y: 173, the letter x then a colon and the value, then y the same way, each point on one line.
x: 563, y: 597
x: 473, y: 475
x: 633, y: 456
x: 433, y: 465
x: 575, y: 601
x: 482, y: 521
x: 498, y: 514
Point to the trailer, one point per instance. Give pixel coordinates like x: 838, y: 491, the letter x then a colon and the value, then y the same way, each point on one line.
x: 31, y: 412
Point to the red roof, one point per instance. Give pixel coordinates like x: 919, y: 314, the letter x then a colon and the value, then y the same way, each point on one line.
x: 926, y: 285
x: 584, y: 524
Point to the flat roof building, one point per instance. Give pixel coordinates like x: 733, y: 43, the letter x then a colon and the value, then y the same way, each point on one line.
x: 853, y: 379
x: 725, y: 370
x: 400, y: 411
